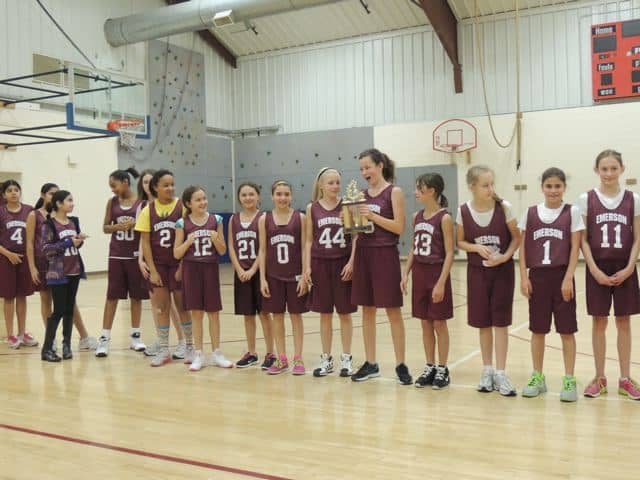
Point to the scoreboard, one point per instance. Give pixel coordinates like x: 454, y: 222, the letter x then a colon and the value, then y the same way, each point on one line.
x: 615, y: 60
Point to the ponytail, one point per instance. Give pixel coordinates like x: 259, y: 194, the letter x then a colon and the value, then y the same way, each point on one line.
x: 123, y: 175
x: 43, y: 191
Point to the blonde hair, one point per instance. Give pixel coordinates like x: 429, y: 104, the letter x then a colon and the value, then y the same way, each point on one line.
x: 317, y: 190
x: 474, y: 173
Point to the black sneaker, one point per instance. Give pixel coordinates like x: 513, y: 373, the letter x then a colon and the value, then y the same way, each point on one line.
x: 247, y: 360
x: 427, y: 376
x: 404, y: 377
x: 441, y: 380
x: 365, y: 372
x: 269, y: 358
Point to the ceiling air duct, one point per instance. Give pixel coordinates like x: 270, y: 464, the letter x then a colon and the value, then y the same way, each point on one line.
x: 195, y: 15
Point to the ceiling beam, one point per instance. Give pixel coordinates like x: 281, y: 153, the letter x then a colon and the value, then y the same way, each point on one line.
x: 445, y: 24
x: 211, y: 40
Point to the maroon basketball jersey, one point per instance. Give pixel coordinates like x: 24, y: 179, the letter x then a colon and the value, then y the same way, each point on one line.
x: 428, y: 240
x: 610, y: 231
x: 202, y: 249
x: 329, y: 240
x: 496, y: 234
x: 246, y: 241
x: 13, y: 228
x: 163, y: 234
x: 124, y: 244
x: 548, y: 244
x: 71, y: 259
x: 380, y: 204
x: 284, y: 248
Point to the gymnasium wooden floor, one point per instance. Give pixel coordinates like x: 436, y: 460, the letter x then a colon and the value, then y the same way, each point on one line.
x: 118, y: 418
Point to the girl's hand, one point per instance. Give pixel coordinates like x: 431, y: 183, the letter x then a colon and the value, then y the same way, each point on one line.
x: 178, y: 274
x: 214, y: 235
x: 484, y: 251
x: 82, y: 236
x: 567, y: 289
x: 602, y: 279
x: 307, y: 276
x: 191, y: 237
x: 347, y: 272
x: 251, y: 272
x: 438, y: 293
x: 495, y: 260
x: 35, y: 276
x: 244, y: 276
x: 621, y: 275
x: 77, y: 241
x: 403, y: 284
x: 365, y: 211
x: 154, y: 278
x: 264, y: 288
x: 144, y: 269
x: 14, y: 258
x: 525, y: 287
x: 302, y: 287
x: 127, y: 225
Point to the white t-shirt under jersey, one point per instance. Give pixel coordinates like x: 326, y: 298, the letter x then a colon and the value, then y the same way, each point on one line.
x: 549, y: 215
x: 483, y: 219
x: 609, y: 202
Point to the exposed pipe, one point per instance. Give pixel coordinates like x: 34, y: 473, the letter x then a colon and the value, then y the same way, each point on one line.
x: 195, y: 15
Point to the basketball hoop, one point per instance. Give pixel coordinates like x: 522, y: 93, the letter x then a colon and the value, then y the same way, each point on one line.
x: 128, y: 129
x: 455, y: 136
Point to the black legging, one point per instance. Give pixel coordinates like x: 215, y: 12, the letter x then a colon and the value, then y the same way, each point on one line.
x: 64, y: 299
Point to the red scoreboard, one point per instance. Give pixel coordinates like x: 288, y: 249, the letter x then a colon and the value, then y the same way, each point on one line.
x: 615, y: 60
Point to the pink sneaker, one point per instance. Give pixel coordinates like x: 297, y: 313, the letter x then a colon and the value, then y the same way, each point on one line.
x: 629, y: 388
x: 298, y: 366
x: 14, y: 342
x: 280, y: 365
x: 27, y: 340
x: 597, y: 387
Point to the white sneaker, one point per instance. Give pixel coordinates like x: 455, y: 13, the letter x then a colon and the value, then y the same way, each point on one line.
x: 28, y: 340
x: 189, y: 354
x: 198, y: 362
x: 180, y: 351
x: 486, y: 380
x: 326, y: 366
x: 162, y: 358
x: 502, y: 384
x: 218, y: 360
x: 152, y: 350
x: 88, y: 343
x: 346, y: 365
x: 103, y: 347
x: 135, y: 343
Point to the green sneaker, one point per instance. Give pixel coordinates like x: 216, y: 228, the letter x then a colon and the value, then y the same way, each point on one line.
x: 569, y: 391
x: 536, y: 385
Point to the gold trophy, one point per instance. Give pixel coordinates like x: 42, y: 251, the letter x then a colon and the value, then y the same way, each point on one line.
x: 352, y: 221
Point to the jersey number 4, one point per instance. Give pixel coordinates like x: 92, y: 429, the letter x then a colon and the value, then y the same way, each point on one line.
x: 328, y: 242
x: 17, y: 236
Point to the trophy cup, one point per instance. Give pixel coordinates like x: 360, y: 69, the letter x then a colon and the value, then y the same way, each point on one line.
x: 352, y: 221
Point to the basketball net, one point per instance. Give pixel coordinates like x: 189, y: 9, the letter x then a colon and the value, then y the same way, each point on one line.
x: 128, y: 130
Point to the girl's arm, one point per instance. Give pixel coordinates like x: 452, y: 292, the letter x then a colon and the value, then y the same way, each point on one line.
x: 567, y: 281
x: 31, y: 236
x: 14, y: 258
x: 347, y: 272
x: 181, y: 244
x: 525, y: 284
x: 482, y: 250
x: 512, y: 225
x: 52, y: 247
x: 626, y: 272
x: 232, y: 253
x: 107, y: 225
x: 597, y: 274
x: 409, y: 264
x: 218, y: 240
x: 447, y: 233
x: 395, y: 224
x: 145, y: 241
x: 262, y: 256
x: 303, y: 286
x: 308, y: 228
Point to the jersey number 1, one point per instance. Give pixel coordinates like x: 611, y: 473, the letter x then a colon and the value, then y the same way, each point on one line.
x: 605, y: 236
x: 422, y: 244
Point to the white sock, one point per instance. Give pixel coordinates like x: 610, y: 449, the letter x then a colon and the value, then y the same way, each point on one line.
x: 488, y: 367
x: 135, y: 330
x: 499, y: 372
x: 106, y: 333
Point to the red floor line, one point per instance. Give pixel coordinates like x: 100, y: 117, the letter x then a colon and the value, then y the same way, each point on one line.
x: 142, y: 453
x: 552, y: 347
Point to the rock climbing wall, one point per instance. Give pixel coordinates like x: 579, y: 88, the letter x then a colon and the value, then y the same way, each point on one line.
x: 179, y: 140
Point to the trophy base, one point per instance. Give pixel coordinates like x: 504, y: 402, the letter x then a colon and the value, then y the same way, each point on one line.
x: 368, y: 228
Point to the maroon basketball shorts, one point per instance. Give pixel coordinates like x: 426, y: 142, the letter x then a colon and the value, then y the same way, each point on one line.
x: 246, y: 295
x: 546, y: 301
x: 329, y: 290
x: 201, y: 286
x: 626, y: 298
x: 125, y: 279
x: 168, y: 276
x: 284, y: 298
x: 490, y: 295
x: 423, y: 279
x: 376, y: 277
x: 15, y: 280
